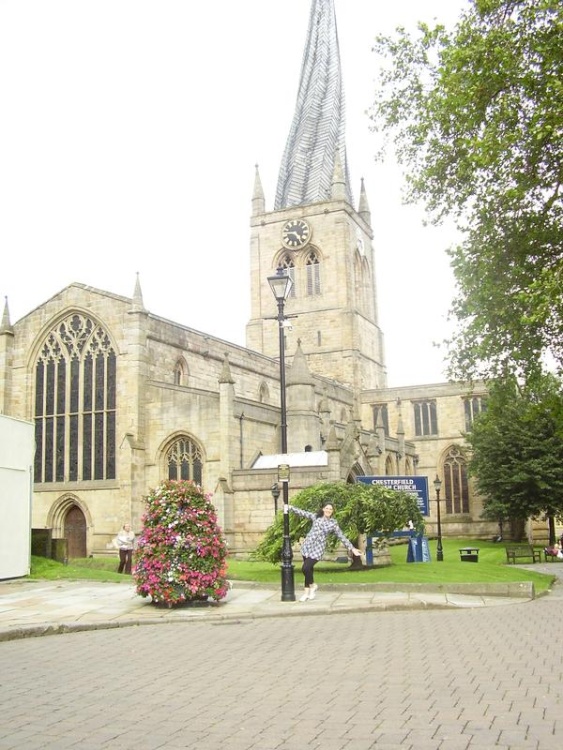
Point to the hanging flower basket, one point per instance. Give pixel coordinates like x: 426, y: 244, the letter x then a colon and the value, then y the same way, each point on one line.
x: 181, y: 555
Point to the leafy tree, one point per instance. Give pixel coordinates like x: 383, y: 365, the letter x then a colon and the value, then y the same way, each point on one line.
x: 181, y: 555
x: 517, y: 450
x: 476, y: 116
x: 359, y: 509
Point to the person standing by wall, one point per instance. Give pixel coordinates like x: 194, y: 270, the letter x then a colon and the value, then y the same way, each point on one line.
x: 125, y: 544
x: 314, y: 545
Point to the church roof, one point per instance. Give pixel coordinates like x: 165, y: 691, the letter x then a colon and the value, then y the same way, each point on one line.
x: 307, y: 458
x: 318, y: 128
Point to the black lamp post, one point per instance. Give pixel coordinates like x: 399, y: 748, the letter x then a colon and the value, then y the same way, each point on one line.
x: 281, y: 285
x: 275, y: 490
x: 439, y: 550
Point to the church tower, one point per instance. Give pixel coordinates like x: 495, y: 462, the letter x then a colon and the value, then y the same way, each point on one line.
x: 316, y: 234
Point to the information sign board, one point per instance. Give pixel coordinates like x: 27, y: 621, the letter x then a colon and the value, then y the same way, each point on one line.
x: 416, y: 485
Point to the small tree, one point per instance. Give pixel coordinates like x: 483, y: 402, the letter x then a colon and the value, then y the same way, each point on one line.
x: 517, y: 451
x: 359, y: 509
x: 181, y: 554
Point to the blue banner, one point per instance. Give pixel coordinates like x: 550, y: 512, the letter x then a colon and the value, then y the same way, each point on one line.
x: 415, y: 485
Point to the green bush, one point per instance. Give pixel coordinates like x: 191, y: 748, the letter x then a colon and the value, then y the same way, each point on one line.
x: 359, y: 509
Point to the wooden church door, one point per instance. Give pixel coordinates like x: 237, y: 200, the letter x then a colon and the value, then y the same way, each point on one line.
x: 75, y: 532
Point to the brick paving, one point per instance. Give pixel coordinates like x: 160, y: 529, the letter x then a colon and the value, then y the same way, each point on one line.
x: 451, y: 679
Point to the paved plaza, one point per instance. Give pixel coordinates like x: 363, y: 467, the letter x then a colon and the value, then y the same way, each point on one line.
x: 451, y: 678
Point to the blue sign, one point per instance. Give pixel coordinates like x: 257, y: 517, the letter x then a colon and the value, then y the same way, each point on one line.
x: 415, y: 485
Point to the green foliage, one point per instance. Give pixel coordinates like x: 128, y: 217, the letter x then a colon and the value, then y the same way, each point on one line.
x: 181, y: 553
x: 517, y: 449
x: 359, y: 509
x: 476, y: 117
x: 492, y: 568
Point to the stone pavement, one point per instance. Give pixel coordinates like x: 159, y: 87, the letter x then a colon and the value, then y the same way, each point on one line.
x: 457, y: 678
x: 30, y: 608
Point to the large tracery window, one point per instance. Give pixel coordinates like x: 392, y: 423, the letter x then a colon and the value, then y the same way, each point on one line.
x: 184, y: 460
x: 456, y: 482
x: 75, y: 403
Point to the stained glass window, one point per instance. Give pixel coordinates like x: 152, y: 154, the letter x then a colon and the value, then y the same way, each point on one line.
x: 75, y: 403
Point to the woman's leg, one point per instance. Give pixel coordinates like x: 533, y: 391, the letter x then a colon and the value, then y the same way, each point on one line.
x: 128, y: 561
x: 307, y: 568
x: 122, y: 553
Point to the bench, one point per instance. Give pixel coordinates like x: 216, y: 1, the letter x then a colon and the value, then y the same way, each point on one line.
x: 522, y: 552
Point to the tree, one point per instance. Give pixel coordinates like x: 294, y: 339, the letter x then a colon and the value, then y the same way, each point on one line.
x: 360, y: 509
x: 517, y: 450
x: 476, y: 116
x: 181, y: 555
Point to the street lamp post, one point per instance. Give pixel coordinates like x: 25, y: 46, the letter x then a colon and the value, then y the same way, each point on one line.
x: 275, y: 490
x: 281, y: 285
x: 439, y: 550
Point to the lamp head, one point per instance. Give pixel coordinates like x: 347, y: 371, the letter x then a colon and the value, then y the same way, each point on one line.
x: 437, y: 484
x: 280, y: 284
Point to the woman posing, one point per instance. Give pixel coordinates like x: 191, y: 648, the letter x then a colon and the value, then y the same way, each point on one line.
x: 314, y: 545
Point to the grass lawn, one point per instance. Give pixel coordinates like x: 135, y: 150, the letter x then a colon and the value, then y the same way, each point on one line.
x: 491, y: 568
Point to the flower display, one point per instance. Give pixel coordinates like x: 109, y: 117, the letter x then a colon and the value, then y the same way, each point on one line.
x: 181, y: 553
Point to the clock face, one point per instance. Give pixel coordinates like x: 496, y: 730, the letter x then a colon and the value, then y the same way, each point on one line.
x: 296, y: 233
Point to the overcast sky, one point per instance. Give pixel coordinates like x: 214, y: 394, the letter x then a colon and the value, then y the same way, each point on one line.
x: 129, y: 131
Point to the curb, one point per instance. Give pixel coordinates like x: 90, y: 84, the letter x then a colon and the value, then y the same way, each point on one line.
x: 21, y: 632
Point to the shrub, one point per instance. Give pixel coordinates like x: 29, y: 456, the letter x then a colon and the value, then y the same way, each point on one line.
x: 181, y: 554
x: 359, y: 509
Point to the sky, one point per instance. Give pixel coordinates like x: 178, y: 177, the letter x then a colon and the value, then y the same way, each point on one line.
x: 129, y: 135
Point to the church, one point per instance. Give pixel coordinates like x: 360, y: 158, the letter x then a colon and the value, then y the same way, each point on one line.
x: 122, y: 399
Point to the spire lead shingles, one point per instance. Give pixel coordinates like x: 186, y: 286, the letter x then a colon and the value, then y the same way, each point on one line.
x: 317, y: 130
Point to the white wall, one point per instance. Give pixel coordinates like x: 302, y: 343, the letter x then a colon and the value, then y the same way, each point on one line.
x: 17, y: 446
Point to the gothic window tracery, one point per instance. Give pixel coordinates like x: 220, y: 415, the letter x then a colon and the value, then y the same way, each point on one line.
x: 288, y: 264
x: 184, y: 460
x: 75, y: 403
x: 456, y: 485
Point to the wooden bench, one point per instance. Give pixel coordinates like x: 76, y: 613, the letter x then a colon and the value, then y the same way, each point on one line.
x: 522, y: 552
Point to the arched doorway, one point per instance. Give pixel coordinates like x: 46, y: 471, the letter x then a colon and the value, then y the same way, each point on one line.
x: 75, y: 532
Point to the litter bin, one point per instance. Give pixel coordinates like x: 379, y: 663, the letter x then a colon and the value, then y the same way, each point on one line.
x: 469, y: 554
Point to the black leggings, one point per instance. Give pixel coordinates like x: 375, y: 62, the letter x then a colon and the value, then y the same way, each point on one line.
x: 307, y: 569
x: 125, y: 559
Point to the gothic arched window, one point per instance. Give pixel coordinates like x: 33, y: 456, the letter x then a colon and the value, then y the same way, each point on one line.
x: 184, y: 460
x: 264, y: 393
x: 312, y: 266
x: 75, y: 403
x: 455, y: 482
x: 180, y: 372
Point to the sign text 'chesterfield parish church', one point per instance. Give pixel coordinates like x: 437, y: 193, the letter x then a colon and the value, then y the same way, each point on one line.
x: 415, y: 485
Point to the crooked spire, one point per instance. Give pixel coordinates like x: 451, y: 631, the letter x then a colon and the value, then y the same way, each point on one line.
x: 317, y: 132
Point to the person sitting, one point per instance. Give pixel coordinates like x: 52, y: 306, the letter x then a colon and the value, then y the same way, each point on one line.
x: 555, y: 550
